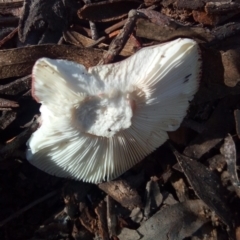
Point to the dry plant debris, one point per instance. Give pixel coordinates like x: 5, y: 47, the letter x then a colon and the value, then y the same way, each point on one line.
x: 188, y: 189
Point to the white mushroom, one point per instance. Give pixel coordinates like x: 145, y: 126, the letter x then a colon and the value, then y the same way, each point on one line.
x: 98, y: 123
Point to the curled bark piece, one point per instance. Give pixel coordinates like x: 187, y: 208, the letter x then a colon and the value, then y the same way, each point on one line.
x: 106, y: 11
x: 221, y: 7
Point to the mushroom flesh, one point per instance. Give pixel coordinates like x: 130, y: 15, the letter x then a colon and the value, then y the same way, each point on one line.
x: 99, y: 122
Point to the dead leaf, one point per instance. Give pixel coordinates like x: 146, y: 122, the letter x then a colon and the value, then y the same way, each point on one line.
x: 216, y: 128
x: 206, y: 185
x: 44, y: 21
x: 175, y: 222
x: 19, y: 61
x: 78, y: 39
x: 229, y: 151
x: 164, y: 33
x: 16, y: 87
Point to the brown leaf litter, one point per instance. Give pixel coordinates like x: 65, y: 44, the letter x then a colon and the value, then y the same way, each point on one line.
x: 188, y: 189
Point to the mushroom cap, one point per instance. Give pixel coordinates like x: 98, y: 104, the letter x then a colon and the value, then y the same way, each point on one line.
x: 98, y: 123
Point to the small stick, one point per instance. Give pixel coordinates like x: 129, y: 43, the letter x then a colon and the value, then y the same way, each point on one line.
x: 108, y: 31
x: 111, y: 217
x: 102, y: 39
x: 118, y: 43
x: 8, y: 37
x: 16, y: 214
x: 101, y: 210
x: 115, y: 26
x: 94, y: 32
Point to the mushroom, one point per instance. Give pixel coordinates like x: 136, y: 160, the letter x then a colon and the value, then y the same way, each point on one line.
x: 100, y: 122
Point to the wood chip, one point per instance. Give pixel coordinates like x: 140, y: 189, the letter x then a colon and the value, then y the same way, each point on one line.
x: 111, y: 217
x: 122, y: 192
x: 101, y: 212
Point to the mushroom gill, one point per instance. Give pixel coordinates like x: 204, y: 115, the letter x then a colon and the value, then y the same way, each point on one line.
x: 98, y: 123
